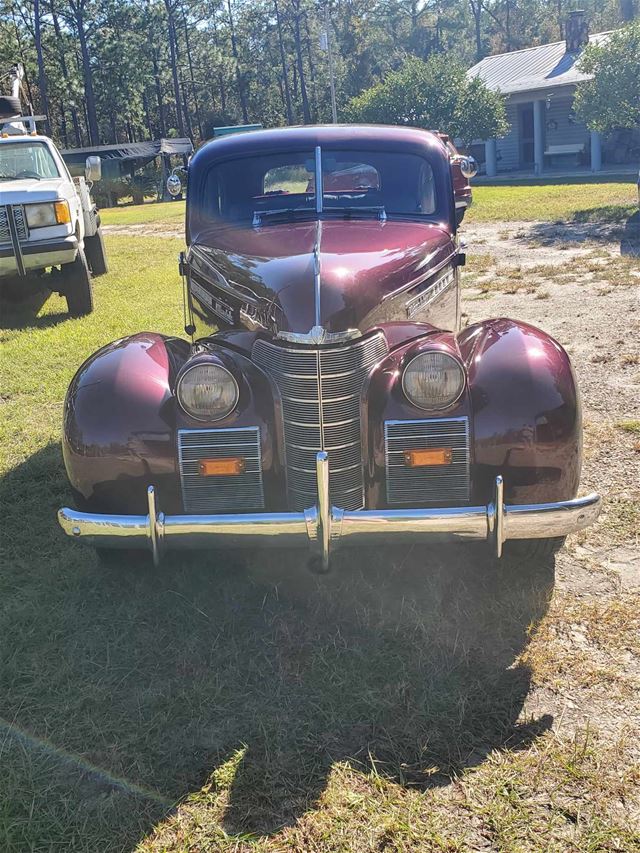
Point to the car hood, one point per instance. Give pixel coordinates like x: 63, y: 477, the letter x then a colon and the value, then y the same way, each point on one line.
x: 29, y: 190
x: 332, y: 273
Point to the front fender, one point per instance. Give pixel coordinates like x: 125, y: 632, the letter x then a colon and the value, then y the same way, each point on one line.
x: 525, y: 410
x: 119, y: 423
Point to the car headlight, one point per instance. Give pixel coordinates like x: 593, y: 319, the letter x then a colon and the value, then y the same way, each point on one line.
x: 207, y: 392
x: 47, y: 213
x: 433, y: 380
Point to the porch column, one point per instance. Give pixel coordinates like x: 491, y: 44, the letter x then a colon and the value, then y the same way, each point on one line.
x: 538, y: 136
x: 596, y: 151
x: 490, y: 158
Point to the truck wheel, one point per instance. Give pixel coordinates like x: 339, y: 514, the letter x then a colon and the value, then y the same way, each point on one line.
x: 77, y: 288
x: 96, y: 255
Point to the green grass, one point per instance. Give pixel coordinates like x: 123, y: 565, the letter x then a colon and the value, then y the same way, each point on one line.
x: 240, y: 703
x: 164, y: 213
x: 584, y: 202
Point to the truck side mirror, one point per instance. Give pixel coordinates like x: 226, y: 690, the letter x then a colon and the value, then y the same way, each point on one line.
x: 174, y: 185
x: 93, y: 169
x: 468, y: 167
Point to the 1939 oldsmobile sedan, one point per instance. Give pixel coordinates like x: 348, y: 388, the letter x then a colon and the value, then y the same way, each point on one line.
x: 329, y: 396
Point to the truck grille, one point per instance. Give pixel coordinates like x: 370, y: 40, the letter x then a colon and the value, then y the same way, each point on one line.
x: 320, y: 391
x: 239, y: 493
x: 18, y: 218
x: 434, y: 484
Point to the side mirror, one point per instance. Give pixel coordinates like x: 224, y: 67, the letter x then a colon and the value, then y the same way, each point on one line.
x: 93, y: 169
x: 174, y: 185
x: 468, y: 167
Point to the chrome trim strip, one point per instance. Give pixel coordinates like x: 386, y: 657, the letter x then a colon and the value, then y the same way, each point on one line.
x: 318, y: 180
x: 323, y: 526
x: 317, y: 284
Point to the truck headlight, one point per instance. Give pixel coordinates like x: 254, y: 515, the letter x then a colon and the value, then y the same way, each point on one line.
x: 433, y: 380
x: 47, y: 213
x: 207, y: 392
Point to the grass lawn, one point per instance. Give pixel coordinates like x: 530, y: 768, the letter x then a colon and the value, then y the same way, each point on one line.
x: 166, y: 212
x: 585, y: 202
x: 242, y: 704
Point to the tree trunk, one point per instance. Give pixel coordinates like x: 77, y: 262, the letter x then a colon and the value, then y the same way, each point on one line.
x: 283, y: 65
x: 90, y: 100
x: 312, y: 68
x: 476, y: 11
x: 239, y: 77
x: 158, y: 86
x: 42, y: 79
x: 65, y: 76
x: 193, y: 81
x: 627, y: 10
x: 174, y: 67
x: 306, y: 112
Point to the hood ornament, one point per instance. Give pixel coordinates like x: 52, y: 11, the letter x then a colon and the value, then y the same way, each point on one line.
x: 319, y: 335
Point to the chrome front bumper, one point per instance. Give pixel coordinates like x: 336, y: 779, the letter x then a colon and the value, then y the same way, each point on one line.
x: 324, y: 528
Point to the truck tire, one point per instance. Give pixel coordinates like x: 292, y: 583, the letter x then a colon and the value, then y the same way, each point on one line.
x: 96, y: 255
x: 77, y: 287
x: 9, y: 106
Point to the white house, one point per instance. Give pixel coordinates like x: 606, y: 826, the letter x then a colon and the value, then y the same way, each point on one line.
x: 538, y: 84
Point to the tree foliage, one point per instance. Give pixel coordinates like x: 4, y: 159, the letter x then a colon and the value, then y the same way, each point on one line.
x: 125, y: 70
x: 612, y: 98
x: 435, y: 94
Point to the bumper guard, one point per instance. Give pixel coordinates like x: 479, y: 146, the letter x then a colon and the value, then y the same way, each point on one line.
x: 324, y: 528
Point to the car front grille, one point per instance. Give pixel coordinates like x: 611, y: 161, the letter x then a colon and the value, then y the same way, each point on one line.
x: 19, y: 219
x: 320, y: 391
x: 432, y: 484
x: 234, y: 493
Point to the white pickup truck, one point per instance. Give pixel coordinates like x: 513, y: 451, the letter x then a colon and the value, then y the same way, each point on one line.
x: 49, y: 226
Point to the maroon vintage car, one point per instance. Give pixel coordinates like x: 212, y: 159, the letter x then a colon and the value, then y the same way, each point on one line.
x: 328, y: 396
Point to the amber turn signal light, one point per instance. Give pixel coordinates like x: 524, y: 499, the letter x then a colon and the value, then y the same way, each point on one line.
x: 432, y: 456
x: 63, y: 214
x: 231, y: 466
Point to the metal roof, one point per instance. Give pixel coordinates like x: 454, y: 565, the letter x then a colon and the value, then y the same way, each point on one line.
x: 544, y: 67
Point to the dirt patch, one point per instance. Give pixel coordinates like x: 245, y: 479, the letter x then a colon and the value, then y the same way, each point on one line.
x: 575, y: 283
x: 150, y: 229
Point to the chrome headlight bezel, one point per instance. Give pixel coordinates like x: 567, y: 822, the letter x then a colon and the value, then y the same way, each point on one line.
x: 438, y: 405
x: 211, y: 416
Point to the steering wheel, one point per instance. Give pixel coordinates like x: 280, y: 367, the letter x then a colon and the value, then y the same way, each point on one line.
x: 27, y: 173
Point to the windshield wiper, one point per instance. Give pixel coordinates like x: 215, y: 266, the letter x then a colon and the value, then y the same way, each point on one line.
x: 7, y: 177
x: 259, y: 215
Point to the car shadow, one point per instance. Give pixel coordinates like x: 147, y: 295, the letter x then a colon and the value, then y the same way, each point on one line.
x: 243, y: 676
x: 594, y: 225
x: 630, y: 240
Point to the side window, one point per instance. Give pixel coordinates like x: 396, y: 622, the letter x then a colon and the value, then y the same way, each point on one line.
x: 426, y: 189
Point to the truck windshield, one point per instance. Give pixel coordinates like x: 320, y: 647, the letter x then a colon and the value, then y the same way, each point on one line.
x: 26, y: 160
x: 355, y: 183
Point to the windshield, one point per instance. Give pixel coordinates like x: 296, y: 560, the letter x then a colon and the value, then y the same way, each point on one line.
x: 27, y: 160
x: 354, y: 183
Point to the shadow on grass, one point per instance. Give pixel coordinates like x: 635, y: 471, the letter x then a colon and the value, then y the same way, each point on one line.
x: 244, y: 677
x: 16, y: 314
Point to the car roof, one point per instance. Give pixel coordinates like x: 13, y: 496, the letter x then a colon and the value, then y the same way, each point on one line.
x: 309, y: 136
